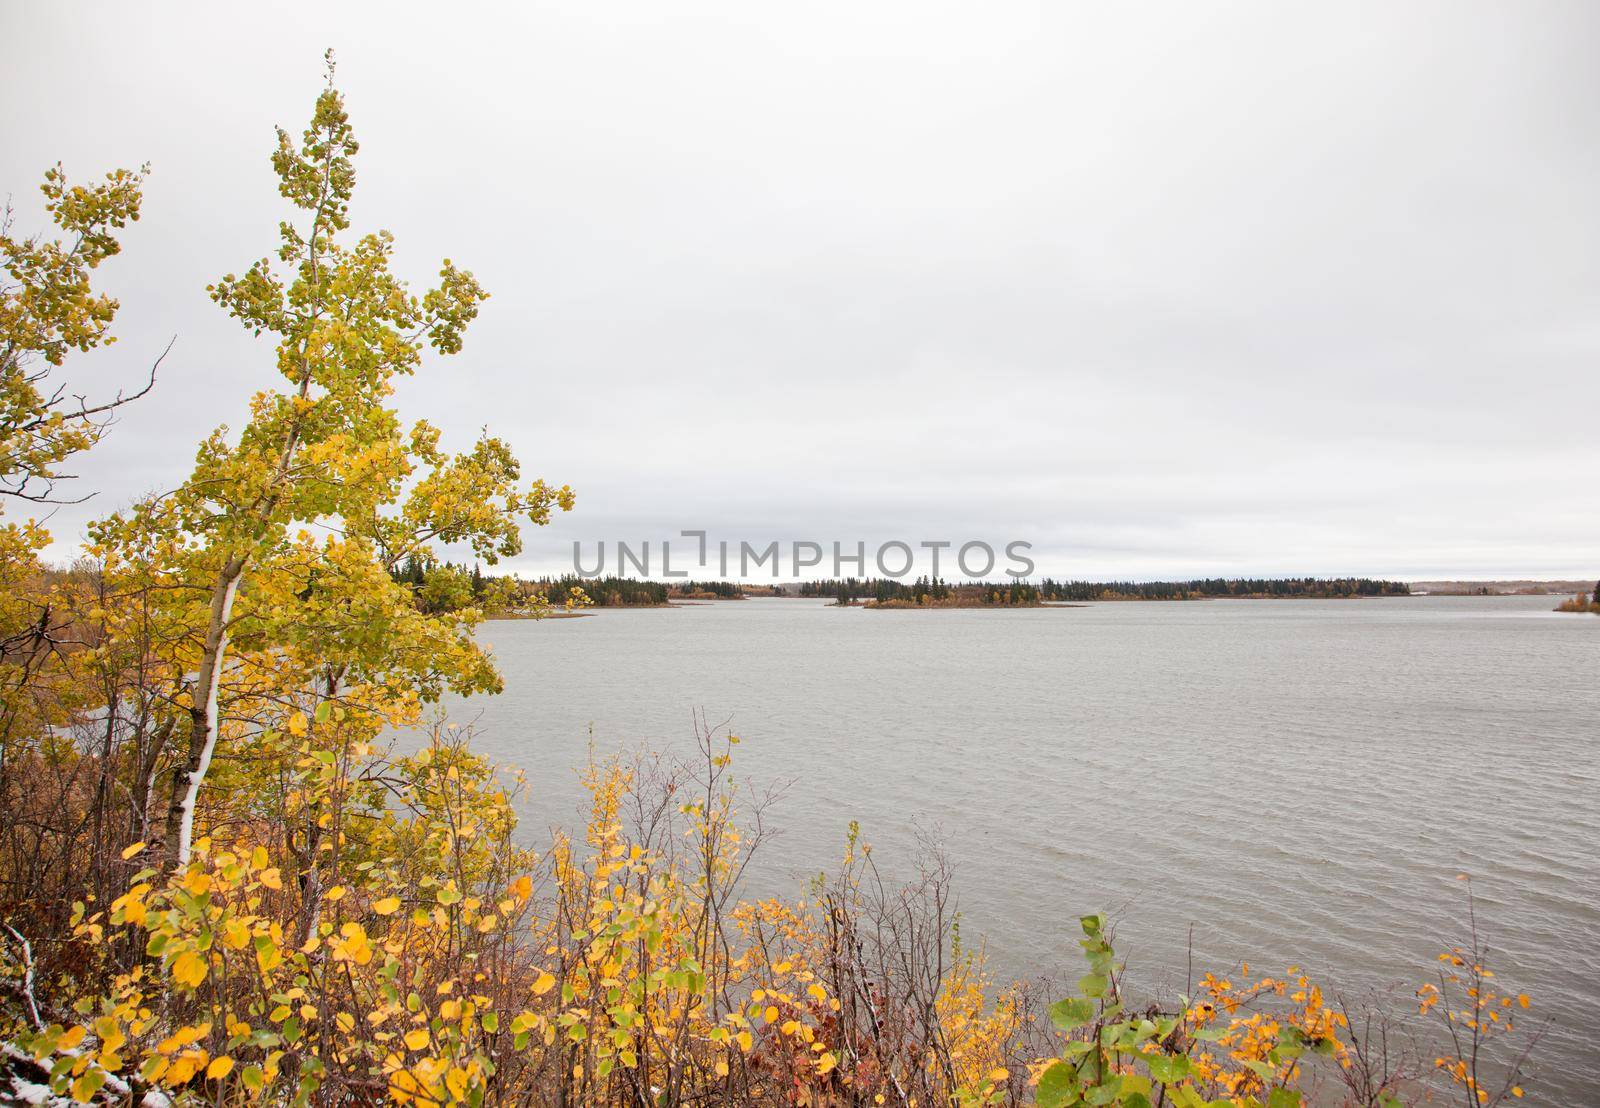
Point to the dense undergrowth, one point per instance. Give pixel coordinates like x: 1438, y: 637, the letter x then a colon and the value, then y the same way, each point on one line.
x: 218, y: 887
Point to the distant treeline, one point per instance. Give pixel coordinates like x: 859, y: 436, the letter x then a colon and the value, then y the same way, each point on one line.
x: 442, y: 587
x: 934, y: 590
x: 1308, y: 587
x: 626, y: 592
x: 604, y: 592
x: 924, y: 591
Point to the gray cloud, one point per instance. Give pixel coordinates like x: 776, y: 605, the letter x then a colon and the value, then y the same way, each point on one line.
x: 1167, y: 289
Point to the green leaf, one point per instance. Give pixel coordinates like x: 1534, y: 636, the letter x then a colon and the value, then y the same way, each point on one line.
x: 1091, y: 924
x: 324, y: 710
x: 1169, y: 1069
x: 1072, y: 1012
x: 1103, y: 1094
x: 1093, y: 984
x: 1058, y: 1086
x: 1283, y: 1098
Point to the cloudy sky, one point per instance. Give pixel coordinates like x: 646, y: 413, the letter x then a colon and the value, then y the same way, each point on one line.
x: 1163, y: 289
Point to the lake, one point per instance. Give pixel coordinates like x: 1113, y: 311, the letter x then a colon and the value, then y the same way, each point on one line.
x: 1302, y: 781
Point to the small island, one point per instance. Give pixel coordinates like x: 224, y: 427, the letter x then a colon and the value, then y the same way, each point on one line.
x: 1582, y: 603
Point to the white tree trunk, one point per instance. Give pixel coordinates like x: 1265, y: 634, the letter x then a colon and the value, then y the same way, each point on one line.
x: 205, y: 715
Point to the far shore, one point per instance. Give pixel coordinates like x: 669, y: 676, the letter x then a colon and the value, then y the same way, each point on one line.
x: 1441, y: 589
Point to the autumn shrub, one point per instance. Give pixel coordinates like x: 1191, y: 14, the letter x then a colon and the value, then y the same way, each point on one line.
x: 438, y: 962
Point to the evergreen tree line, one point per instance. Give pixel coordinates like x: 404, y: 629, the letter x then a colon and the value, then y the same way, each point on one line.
x: 445, y: 587
x: 934, y: 589
x: 924, y: 590
x: 1052, y: 589
x: 603, y: 592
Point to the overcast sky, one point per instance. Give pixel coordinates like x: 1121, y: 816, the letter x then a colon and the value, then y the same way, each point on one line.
x: 1163, y: 289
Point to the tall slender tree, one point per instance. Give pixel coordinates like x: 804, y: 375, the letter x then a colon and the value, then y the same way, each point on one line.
x: 275, y: 612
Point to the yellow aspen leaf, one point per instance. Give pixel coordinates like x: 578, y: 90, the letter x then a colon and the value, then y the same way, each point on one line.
x: 84, y: 1088
x: 722, y: 1067
x: 271, y: 878
x: 132, y: 850
x: 388, y: 906
x: 220, y: 1067
x: 189, y: 969
x: 336, y: 894
x: 745, y: 1041
x: 771, y: 1014
x: 826, y: 1063
x: 417, y: 1038
x: 71, y: 1038
x: 544, y: 984
x: 236, y: 933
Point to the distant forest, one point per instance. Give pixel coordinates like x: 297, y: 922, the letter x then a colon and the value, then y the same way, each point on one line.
x: 1016, y: 593
x: 442, y: 587
x: 1305, y: 587
x: 924, y: 591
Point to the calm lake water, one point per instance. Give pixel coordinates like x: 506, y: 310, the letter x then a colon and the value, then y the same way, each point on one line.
x: 1299, y: 780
